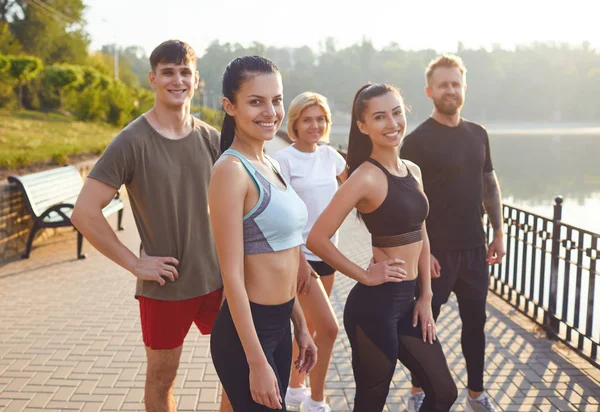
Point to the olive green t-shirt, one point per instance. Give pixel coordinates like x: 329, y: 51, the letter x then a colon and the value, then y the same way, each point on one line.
x: 167, y: 184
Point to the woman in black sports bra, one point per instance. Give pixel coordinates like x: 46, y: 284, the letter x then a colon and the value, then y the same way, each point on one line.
x: 383, y: 320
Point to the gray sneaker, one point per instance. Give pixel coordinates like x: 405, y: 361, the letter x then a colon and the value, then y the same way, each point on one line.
x: 482, y: 404
x: 415, y: 400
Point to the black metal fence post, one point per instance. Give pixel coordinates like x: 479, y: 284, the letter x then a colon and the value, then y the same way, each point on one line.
x: 551, y: 323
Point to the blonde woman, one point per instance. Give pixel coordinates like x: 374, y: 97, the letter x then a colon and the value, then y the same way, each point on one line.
x: 312, y: 171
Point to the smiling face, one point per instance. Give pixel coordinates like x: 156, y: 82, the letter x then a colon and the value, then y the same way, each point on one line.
x: 174, y: 83
x: 311, y: 125
x: 384, y: 120
x: 258, y: 106
x: 446, y: 88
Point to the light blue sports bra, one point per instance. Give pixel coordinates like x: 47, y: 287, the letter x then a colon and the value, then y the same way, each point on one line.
x: 279, y: 217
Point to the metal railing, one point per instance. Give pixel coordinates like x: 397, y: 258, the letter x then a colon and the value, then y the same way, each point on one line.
x: 550, y: 274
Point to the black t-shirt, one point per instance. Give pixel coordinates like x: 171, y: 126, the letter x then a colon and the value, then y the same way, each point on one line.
x: 452, y: 161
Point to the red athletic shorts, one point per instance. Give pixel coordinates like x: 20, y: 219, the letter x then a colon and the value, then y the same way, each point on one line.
x: 165, y: 323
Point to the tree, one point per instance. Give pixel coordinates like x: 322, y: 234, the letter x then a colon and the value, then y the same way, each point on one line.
x: 7, y: 9
x: 121, y: 104
x: 6, y: 92
x: 4, y: 63
x: 89, y: 99
x: 58, y: 77
x: 125, y: 74
x: 53, y: 33
x: 8, y: 43
x: 138, y: 63
x: 211, y: 66
x: 23, y: 69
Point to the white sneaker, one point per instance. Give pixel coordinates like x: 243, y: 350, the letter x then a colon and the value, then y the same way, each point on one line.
x: 309, y: 406
x: 295, y: 396
x: 415, y: 400
x: 480, y: 404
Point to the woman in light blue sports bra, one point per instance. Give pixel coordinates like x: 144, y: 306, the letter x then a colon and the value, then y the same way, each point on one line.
x: 257, y: 221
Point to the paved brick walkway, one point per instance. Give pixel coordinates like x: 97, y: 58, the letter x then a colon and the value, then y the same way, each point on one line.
x: 70, y: 340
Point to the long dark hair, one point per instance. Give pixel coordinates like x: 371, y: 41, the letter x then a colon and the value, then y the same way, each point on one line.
x: 237, y: 72
x: 359, y: 144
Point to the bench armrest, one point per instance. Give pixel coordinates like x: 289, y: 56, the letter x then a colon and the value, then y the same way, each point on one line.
x: 56, y: 208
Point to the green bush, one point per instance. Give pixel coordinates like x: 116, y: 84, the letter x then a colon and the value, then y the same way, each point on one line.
x: 4, y: 63
x: 87, y: 105
x: 91, y: 78
x: 89, y: 99
x: 211, y: 116
x: 58, y: 79
x: 120, y: 104
x: 47, y: 96
x: 23, y: 69
x: 6, y: 82
x: 143, y: 101
x: 7, y: 94
x: 21, y: 160
x: 83, y: 91
x: 60, y: 159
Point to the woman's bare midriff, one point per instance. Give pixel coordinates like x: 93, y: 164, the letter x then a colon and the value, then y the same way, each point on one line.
x: 408, y: 253
x: 270, y: 278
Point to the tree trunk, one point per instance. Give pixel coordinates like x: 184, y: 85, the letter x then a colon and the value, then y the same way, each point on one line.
x: 20, y: 95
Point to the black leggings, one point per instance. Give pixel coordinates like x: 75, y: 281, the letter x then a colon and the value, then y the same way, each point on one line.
x: 466, y: 273
x: 272, y: 325
x: 472, y: 340
x: 378, y: 321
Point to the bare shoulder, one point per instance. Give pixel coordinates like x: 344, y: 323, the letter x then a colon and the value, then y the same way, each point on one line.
x: 366, y: 176
x: 415, y: 170
x: 228, y: 185
x: 229, y: 169
x: 413, y: 167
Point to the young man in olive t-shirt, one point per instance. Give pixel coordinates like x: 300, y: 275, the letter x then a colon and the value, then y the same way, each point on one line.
x: 164, y: 158
x: 459, y: 180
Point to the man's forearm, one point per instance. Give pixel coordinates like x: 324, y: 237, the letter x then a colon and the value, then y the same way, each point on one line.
x: 100, y: 235
x: 492, y: 200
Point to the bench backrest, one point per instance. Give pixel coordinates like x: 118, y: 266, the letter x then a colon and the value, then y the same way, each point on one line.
x: 47, y: 188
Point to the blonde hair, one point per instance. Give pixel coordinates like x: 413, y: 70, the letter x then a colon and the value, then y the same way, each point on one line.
x: 445, y: 60
x: 301, y: 102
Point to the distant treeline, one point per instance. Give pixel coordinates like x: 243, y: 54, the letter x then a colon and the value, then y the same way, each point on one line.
x: 50, y: 66
x: 537, y: 82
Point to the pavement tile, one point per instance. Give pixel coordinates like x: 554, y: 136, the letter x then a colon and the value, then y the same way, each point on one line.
x: 70, y: 340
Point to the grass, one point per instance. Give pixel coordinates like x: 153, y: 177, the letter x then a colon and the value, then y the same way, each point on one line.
x: 29, y: 137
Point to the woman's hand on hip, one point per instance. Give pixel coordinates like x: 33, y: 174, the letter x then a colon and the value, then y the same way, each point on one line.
x: 388, y: 270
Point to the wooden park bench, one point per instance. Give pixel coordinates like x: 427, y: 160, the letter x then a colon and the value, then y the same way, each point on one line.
x: 50, y: 197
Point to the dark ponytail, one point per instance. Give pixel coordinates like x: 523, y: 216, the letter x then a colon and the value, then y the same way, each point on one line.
x: 227, y: 132
x: 238, y: 71
x: 359, y: 144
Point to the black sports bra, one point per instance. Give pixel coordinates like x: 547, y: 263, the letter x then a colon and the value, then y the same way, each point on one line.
x: 399, y: 219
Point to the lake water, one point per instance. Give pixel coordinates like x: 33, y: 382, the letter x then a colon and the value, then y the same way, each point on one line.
x: 536, y: 163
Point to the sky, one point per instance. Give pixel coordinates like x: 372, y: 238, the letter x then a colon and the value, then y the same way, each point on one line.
x: 415, y: 24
